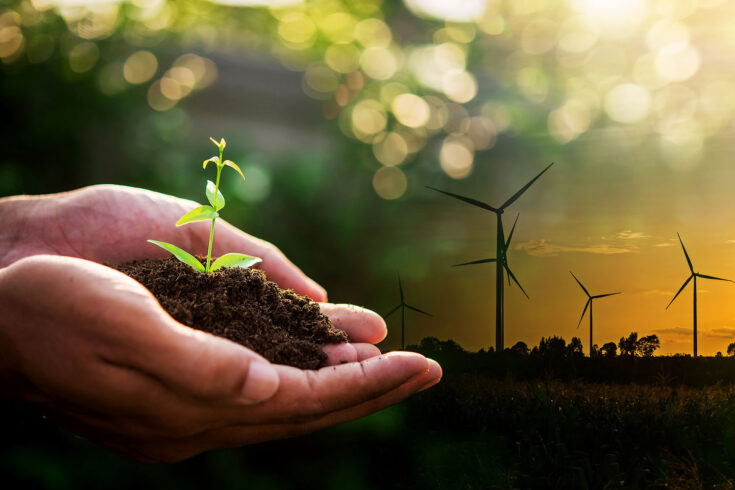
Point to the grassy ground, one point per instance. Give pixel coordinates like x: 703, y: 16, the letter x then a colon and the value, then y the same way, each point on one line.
x: 468, y: 432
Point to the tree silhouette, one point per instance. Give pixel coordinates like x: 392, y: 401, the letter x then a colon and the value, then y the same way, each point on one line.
x: 646, y: 346
x: 520, y: 348
x: 552, y: 346
x: 609, y: 349
x: 731, y: 349
x: 574, y: 347
x: 628, y: 345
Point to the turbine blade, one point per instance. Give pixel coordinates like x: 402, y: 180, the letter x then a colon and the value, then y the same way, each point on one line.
x: 483, y: 261
x: 400, y: 287
x: 524, y: 189
x: 418, y: 311
x: 580, y: 284
x: 586, y: 305
x: 604, y: 295
x: 689, y: 261
x: 474, y: 202
x: 510, y: 237
x: 713, y: 277
x: 680, y: 290
x: 392, y: 311
x: 513, y: 276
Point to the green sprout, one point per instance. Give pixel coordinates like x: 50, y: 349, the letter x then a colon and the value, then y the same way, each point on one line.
x: 203, y: 213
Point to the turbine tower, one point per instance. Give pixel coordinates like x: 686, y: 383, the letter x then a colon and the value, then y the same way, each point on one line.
x: 693, y: 276
x: 403, y: 307
x: 501, y: 261
x: 589, y: 305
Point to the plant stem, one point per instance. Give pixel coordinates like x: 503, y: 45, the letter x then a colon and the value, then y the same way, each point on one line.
x: 216, y: 193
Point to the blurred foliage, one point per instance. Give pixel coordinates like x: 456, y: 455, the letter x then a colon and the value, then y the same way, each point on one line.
x: 555, y: 70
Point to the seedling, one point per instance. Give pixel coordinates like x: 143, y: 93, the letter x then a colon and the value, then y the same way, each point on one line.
x: 211, y: 212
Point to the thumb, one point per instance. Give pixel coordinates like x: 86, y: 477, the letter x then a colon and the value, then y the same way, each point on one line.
x: 207, y: 367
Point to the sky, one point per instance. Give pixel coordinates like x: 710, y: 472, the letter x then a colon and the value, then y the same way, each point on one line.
x: 613, y: 223
x: 643, y: 143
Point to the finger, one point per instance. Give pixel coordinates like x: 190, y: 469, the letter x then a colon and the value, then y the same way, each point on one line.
x: 275, y: 264
x: 341, y: 353
x: 305, y: 395
x: 360, y: 324
x: 204, y: 366
x: 433, y: 376
x: 349, y: 352
x: 246, y: 434
x: 366, y: 351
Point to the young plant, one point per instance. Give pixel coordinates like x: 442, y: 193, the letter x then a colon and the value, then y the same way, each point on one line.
x: 211, y: 212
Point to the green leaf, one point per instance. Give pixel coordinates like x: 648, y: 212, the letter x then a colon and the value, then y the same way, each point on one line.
x: 182, y: 255
x: 200, y: 213
x: 232, y: 164
x: 213, y: 160
x: 211, y: 187
x: 234, y: 260
x: 221, y: 144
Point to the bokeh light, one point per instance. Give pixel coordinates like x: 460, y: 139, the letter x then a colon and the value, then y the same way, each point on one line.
x: 390, y: 182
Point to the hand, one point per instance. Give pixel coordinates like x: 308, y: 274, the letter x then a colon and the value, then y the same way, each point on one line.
x: 96, y: 349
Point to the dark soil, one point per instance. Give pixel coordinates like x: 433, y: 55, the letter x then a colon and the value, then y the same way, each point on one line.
x: 242, y: 306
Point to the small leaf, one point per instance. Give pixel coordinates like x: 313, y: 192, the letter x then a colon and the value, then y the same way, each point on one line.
x: 200, y: 213
x: 234, y: 260
x: 213, y: 160
x: 221, y: 144
x: 182, y: 255
x: 211, y: 187
x: 232, y: 164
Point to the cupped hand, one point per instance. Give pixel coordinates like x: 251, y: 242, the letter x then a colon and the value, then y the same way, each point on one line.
x: 97, y: 350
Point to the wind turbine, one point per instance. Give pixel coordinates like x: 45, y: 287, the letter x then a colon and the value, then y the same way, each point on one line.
x: 506, y: 266
x: 694, y: 276
x: 501, y: 260
x: 403, y: 307
x: 589, y: 305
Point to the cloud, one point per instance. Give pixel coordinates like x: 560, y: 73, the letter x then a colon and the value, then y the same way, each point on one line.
x: 665, y: 244
x: 657, y: 292
x: 544, y: 248
x: 674, y: 331
x: 631, y: 235
x: 717, y: 333
x: 731, y: 242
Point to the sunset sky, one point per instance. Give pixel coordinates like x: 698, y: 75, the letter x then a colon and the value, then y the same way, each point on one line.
x: 612, y: 220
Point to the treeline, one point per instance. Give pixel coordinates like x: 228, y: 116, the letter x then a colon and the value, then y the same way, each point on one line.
x: 629, y: 361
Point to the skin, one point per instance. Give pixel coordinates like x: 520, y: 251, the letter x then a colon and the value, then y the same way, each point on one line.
x: 95, y: 349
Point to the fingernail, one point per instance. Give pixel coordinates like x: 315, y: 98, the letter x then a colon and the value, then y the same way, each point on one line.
x: 261, y: 383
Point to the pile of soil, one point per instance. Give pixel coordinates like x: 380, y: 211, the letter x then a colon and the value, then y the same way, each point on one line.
x: 243, y: 306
